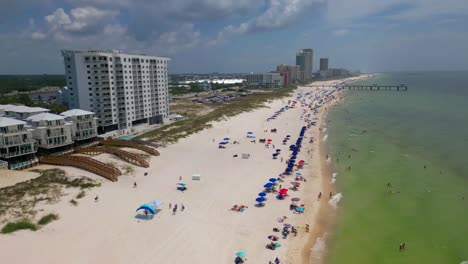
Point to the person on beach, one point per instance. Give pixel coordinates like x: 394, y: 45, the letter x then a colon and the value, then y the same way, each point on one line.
x: 182, y: 208
x: 134, y: 185
x: 281, y: 159
x: 146, y: 213
x: 277, y: 261
x: 174, y: 210
x: 331, y: 195
x: 96, y: 198
x: 170, y: 205
x: 307, y: 228
x: 319, y: 195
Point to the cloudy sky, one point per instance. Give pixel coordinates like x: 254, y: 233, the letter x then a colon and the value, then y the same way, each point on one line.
x: 238, y: 35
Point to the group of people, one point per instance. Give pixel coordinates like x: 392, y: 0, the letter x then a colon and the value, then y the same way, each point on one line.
x: 174, y: 209
x: 238, y: 208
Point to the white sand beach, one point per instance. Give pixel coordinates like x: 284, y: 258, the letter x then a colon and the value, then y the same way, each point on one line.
x: 207, y: 231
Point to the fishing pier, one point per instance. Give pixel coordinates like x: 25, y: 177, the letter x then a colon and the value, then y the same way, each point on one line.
x: 374, y: 87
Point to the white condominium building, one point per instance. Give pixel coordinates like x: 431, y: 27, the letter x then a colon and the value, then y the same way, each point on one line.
x: 15, y: 139
x: 121, y: 89
x: 84, y: 124
x: 51, y: 131
x: 265, y: 80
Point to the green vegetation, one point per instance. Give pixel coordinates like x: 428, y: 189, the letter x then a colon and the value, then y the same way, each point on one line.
x: 47, y: 219
x: 20, y: 225
x: 81, y: 194
x: 26, y: 83
x: 19, y: 201
x: 172, y: 132
x: 194, y: 88
x: 25, y: 100
x: 128, y: 169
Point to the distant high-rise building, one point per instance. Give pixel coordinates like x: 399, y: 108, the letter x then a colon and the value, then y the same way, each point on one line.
x: 304, y: 59
x: 323, y: 64
x: 292, y: 70
x: 123, y: 90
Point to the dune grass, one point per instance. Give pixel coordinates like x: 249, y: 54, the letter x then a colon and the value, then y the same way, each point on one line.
x: 18, y: 201
x: 47, y: 219
x: 20, y: 225
x: 173, y: 132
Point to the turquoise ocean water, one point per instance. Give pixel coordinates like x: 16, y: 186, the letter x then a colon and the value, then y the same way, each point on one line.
x: 391, y: 136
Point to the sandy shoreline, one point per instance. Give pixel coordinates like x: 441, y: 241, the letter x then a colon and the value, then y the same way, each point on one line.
x: 207, y: 231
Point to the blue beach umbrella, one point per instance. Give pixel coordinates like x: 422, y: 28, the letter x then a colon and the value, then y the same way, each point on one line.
x: 147, y: 207
x: 181, y: 184
x: 272, y: 180
x: 278, y: 150
x: 288, y: 136
x: 222, y: 143
x: 226, y: 138
x: 250, y: 133
x: 268, y: 185
x: 262, y: 194
x: 275, y: 154
x: 260, y: 199
x: 241, y: 254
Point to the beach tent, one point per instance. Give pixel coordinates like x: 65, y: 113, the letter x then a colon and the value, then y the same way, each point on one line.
x: 155, y: 203
x: 147, y: 207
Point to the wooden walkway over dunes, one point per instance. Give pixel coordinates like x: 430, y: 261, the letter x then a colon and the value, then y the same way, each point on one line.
x: 129, y: 144
x: 132, y: 158
x: 109, y: 172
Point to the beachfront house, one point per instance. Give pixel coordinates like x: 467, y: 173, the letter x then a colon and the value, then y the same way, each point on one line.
x: 16, y: 141
x: 52, y: 133
x: 84, y: 127
x: 20, y: 111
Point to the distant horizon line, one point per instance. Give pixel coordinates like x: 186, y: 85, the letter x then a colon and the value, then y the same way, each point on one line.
x: 194, y: 73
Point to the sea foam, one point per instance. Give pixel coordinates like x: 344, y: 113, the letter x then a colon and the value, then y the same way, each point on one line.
x: 325, y: 137
x: 335, y: 200
x: 464, y: 262
x: 316, y: 252
x: 333, y: 179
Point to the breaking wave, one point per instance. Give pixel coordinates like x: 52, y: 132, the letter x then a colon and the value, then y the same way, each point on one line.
x: 325, y: 137
x: 335, y: 200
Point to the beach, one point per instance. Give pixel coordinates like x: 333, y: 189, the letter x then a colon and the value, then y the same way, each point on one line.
x: 207, y: 231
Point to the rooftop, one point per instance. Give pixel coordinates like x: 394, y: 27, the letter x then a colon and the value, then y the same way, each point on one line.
x: 76, y: 112
x: 5, y: 121
x: 23, y: 109
x: 44, y: 116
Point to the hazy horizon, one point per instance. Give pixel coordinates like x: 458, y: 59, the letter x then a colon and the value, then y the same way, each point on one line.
x: 239, y: 36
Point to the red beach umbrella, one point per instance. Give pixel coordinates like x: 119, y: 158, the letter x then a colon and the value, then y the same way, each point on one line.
x: 269, y: 140
x: 283, y: 190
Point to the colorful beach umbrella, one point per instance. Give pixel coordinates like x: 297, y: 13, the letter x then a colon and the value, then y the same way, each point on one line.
x: 262, y: 194
x: 181, y: 184
x: 272, y: 180
x: 269, y: 140
x: 241, y: 254
x: 147, y: 207
x: 273, y: 238
x: 223, y: 143
x: 298, y: 173
x: 260, y: 199
x: 268, y: 185
x: 283, y: 190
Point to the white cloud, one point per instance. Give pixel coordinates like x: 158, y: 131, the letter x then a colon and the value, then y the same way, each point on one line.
x: 278, y: 14
x: 38, y: 35
x: 340, y: 32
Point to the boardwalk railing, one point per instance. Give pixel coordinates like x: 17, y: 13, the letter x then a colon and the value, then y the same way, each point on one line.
x: 85, y: 163
x: 129, y: 144
x: 125, y: 155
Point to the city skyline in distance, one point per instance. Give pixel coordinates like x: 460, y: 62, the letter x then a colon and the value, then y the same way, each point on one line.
x: 239, y: 36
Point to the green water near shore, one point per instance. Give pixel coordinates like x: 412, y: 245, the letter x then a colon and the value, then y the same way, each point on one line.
x: 396, y: 134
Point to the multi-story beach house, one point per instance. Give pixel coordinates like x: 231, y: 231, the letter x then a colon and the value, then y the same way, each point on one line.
x: 264, y: 80
x: 84, y: 124
x: 51, y: 132
x: 123, y: 90
x: 21, y: 111
x: 15, y: 139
